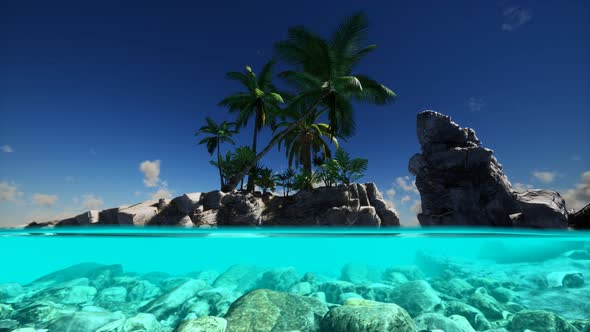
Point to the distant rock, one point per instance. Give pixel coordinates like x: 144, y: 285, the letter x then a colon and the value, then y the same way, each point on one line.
x: 353, y: 205
x: 461, y: 183
x: 540, y: 321
x: 580, y: 219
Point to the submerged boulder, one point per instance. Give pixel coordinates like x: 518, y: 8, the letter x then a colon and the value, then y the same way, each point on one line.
x: 203, y: 324
x: 540, y: 321
x: 461, y: 182
x: 266, y: 310
x: 358, y: 315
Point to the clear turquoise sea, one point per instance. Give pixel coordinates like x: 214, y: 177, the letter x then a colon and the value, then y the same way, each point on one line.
x: 497, y: 273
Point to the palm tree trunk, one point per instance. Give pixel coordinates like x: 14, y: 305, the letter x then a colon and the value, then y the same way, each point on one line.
x: 232, y: 183
x: 250, y: 185
x: 219, y: 165
x: 307, y: 156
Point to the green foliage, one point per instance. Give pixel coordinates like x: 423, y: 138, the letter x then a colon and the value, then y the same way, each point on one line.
x: 217, y: 134
x: 266, y: 179
x: 286, y: 180
x: 304, y: 180
x: 343, y: 169
x: 232, y: 162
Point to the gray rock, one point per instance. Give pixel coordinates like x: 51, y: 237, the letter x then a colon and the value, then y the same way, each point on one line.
x: 266, y: 310
x: 8, y: 325
x: 43, y: 311
x: 473, y: 315
x: 212, y: 199
x: 334, y: 288
x: 280, y: 279
x: 141, y: 290
x: 431, y: 321
x: 110, y: 216
x: 486, y: 303
x: 139, y: 214
x: 141, y: 323
x: 187, y: 203
x: 503, y: 294
x: 417, y: 297
x: 203, y: 324
x: 82, y: 321
x: 167, y: 303
x: 10, y: 291
x: 540, y: 321
x: 6, y: 311
x: 240, y: 278
x: 301, y: 288
x: 567, y: 279
x: 358, y: 273
x: 541, y: 209
x: 462, y: 183
x: 367, y: 316
x: 580, y: 219
x: 108, y: 296
x: 387, y: 215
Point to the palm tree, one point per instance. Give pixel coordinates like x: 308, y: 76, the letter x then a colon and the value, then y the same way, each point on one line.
x: 324, y: 77
x: 260, y: 100
x: 306, y: 142
x: 218, y: 133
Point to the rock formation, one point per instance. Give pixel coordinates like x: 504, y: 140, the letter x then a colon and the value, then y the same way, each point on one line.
x: 461, y: 183
x: 352, y: 205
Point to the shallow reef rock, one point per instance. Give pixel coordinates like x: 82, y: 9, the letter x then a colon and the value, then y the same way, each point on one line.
x: 462, y: 184
x: 344, y: 205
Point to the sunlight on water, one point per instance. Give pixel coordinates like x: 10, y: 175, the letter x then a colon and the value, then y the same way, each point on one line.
x: 516, y: 270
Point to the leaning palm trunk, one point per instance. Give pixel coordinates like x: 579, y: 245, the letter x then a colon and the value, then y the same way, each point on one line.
x: 233, y: 182
x: 251, y: 175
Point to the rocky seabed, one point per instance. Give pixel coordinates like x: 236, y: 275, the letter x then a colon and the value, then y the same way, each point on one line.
x: 551, y: 295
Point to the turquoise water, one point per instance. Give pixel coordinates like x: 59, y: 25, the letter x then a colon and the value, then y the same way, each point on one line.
x: 517, y: 271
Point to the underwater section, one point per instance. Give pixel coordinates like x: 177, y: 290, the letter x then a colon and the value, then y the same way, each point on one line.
x: 308, y: 280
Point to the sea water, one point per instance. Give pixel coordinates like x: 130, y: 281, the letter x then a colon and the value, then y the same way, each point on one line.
x: 500, y: 273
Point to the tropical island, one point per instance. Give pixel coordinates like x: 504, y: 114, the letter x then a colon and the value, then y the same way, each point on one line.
x: 460, y: 181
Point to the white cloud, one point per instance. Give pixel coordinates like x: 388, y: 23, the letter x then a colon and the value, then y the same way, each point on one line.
x: 162, y: 192
x: 405, y: 184
x: 545, y: 177
x: 9, y: 192
x: 389, y: 195
x: 44, y: 199
x: 405, y: 199
x: 475, y: 104
x: 91, y: 202
x: 520, y: 187
x: 579, y: 196
x: 515, y: 17
x: 390, y: 192
x: 137, y: 193
x: 6, y: 148
x: 151, y: 172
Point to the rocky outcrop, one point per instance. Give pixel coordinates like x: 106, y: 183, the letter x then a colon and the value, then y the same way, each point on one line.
x: 353, y: 205
x: 462, y: 183
x: 581, y: 218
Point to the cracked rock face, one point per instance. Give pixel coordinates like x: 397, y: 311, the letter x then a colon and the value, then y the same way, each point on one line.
x: 462, y: 184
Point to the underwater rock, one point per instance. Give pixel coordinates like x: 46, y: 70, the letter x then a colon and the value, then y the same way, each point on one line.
x: 473, y: 315
x: 431, y: 321
x: 567, y: 279
x: 8, y: 325
x: 540, y: 321
x: 411, y: 272
x: 108, y: 296
x: 417, y: 297
x: 141, y: 322
x: 486, y: 303
x: 83, y: 321
x: 92, y: 271
x: 167, y: 303
x: 454, y: 287
x: 301, y: 288
x: 203, y: 324
x: 6, y: 311
x: 334, y: 288
x: 219, y: 299
x: 10, y: 291
x: 239, y: 278
x: 367, y: 316
x: 41, y: 312
x: 358, y: 273
x: 280, y: 279
x: 461, y: 182
x: 503, y: 294
x: 266, y: 310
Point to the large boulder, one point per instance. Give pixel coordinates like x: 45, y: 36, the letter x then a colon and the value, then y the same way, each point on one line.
x: 580, y: 219
x: 462, y: 183
x: 239, y: 278
x: 203, y: 324
x: 167, y: 303
x: 417, y: 297
x: 139, y: 214
x: 187, y: 203
x: 266, y: 310
x: 540, y: 321
x: 83, y: 321
x: 387, y: 215
x: 358, y: 315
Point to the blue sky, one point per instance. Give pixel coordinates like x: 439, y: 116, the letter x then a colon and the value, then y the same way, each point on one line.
x: 90, y: 90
